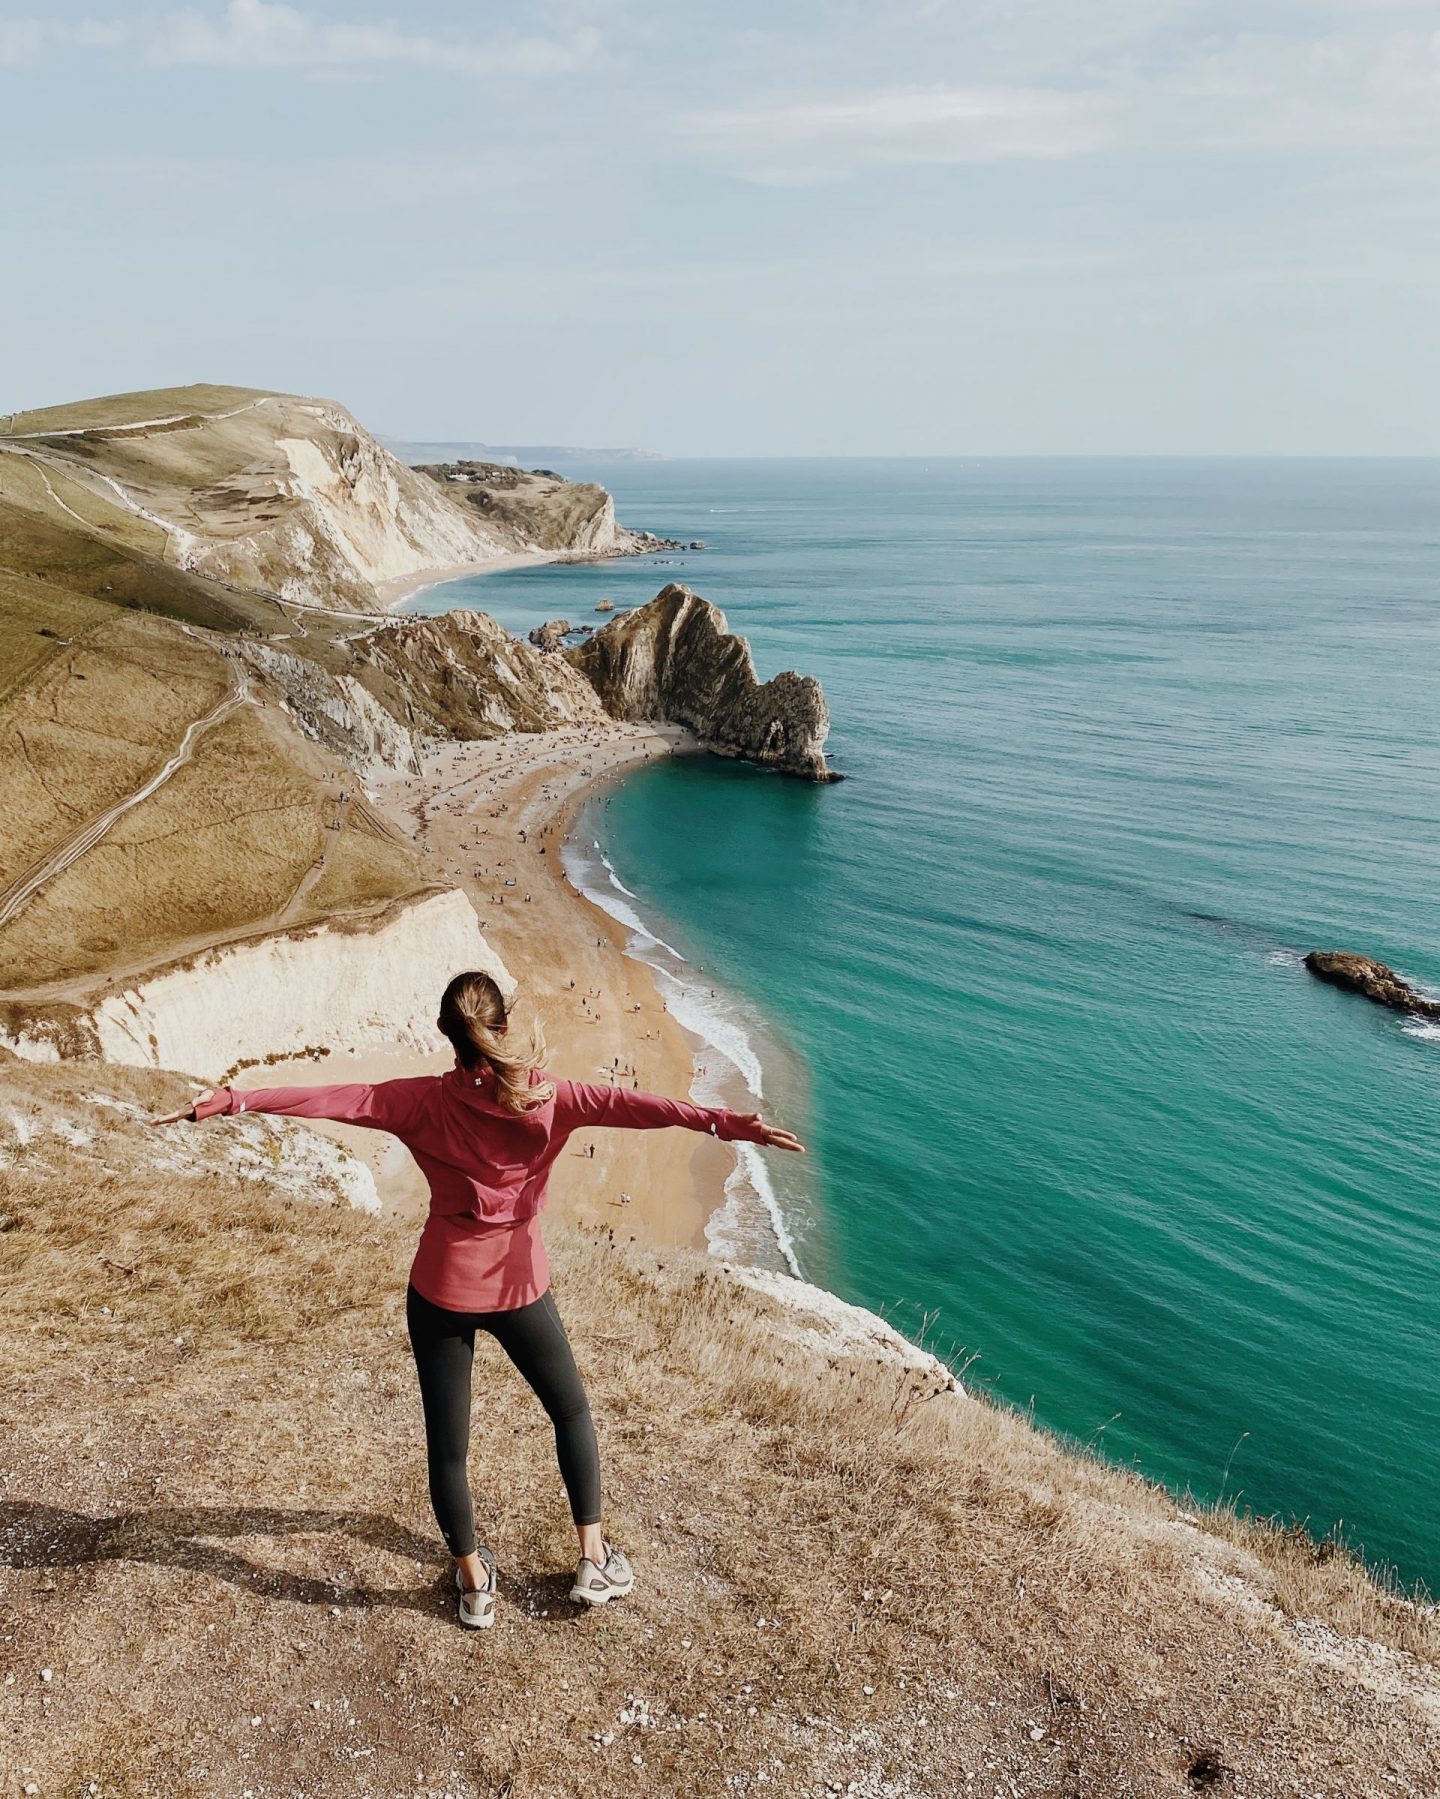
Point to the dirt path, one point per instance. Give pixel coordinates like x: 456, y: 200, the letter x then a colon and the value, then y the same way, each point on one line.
x: 88, y: 835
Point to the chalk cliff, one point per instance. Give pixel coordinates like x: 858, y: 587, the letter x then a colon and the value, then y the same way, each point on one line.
x: 354, y: 985
x: 277, y: 494
x: 676, y: 659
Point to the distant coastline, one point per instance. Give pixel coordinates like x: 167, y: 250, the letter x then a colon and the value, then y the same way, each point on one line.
x: 523, y: 455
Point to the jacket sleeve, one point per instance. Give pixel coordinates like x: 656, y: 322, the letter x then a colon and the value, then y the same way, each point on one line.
x: 578, y: 1103
x: 386, y: 1106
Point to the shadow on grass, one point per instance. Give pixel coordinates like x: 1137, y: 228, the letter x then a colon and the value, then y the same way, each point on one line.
x: 46, y: 1537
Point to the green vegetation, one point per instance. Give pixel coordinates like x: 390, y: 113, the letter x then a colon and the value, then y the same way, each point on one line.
x: 109, y: 410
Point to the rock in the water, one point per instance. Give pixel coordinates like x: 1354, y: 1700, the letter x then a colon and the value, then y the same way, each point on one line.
x: 551, y: 637
x: 605, y: 606
x: 676, y: 660
x: 1372, y: 980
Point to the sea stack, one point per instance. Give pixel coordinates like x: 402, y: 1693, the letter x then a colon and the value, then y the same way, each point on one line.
x: 1371, y: 980
x: 676, y: 659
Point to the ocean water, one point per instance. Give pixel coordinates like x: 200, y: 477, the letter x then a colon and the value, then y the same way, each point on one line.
x: 1125, y: 739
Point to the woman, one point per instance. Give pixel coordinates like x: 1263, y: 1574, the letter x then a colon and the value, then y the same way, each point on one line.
x: 485, y: 1136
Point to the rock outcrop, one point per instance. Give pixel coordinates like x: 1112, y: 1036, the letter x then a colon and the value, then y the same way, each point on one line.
x: 676, y: 660
x: 1371, y: 980
x: 533, y: 509
x: 414, y: 680
x: 537, y: 510
x: 551, y: 637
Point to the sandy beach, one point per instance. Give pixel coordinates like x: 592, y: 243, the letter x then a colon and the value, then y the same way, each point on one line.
x: 491, y: 818
x: 394, y: 594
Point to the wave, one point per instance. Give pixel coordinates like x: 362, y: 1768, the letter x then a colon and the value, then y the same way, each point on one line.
x: 603, y: 894
x: 716, y: 1020
x: 729, y: 1230
x: 1424, y: 1030
x: 610, y: 870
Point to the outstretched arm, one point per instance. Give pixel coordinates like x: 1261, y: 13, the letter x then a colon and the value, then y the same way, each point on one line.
x: 578, y: 1103
x: 383, y: 1106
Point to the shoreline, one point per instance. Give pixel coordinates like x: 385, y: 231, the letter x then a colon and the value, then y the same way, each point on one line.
x: 500, y: 812
x: 492, y: 817
x: 394, y: 595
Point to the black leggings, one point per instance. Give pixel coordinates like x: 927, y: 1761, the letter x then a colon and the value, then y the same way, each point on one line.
x: 534, y: 1339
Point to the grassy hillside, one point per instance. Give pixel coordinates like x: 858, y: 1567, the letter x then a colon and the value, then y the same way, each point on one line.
x: 201, y: 400
x: 527, y: 507
x: 214, y: 1534
x: 112, y: 663
x: 184, y: 574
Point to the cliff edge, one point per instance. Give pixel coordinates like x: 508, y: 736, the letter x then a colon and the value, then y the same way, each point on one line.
x: 676, y: 659
x: 217, y: 1553
x: 272, y: 493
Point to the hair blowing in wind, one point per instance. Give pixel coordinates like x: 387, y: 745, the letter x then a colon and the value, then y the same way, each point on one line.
x: 473, y: 1017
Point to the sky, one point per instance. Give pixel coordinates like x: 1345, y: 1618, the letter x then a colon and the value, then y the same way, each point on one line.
x: 768, y: 227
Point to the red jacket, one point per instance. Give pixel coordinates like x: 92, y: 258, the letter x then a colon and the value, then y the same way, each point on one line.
x: 488, y: 1168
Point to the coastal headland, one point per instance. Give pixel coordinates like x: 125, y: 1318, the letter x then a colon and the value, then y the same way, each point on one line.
x: 273, y: 771
x: 250, y: 818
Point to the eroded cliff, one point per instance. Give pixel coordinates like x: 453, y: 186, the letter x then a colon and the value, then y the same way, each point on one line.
x: 278, y: 494
x: 196, y: 679
x: 676, y: 659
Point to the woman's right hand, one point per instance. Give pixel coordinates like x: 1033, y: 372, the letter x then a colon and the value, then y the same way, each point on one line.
x: 770, y: 1136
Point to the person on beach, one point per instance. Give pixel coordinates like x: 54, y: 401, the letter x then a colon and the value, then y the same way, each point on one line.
x: 485, y: 1136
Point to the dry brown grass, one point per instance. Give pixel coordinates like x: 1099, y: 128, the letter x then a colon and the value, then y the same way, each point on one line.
x: 109, y: 410
x: 222, y: 847
x: 212, y: 1511
x: 102, y: 713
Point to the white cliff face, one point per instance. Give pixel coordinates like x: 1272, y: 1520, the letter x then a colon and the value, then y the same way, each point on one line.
x: 833, y: 1327
x: 351, y: 517
x: 329, y: 988
x: 600, y: 535
x: 335, y: 711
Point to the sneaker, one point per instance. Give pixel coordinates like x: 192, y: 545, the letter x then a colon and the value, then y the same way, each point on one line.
x: 477, y: 1608
x: 598, y: 1586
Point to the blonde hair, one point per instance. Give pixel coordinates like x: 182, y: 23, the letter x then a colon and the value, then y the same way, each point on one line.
x: 473, y: 1017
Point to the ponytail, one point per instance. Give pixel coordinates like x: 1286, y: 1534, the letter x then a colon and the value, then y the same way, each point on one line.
x: 473, y: 1017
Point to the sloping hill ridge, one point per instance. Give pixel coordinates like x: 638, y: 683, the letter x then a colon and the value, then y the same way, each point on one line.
x: 270, y: 493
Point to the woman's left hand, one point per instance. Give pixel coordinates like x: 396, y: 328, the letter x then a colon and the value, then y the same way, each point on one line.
x: 772, y: 1137
x: 186, y: 1116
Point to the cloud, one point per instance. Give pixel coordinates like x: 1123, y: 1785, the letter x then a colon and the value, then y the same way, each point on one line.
x: 1155, y: 81
x: 267, y: 34
x: 815, y: 138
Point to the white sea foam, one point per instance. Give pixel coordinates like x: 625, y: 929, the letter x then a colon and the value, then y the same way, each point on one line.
x: 1285, y: 958
x: 706, y: 1014
x: 605, y: 893
x: 747, y: 1186
x: 1427, y: 1030
x: 610, y: 870
x: 750, y: 1223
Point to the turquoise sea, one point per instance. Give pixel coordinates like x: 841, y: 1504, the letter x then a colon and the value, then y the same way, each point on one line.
x: 1125, y: 739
